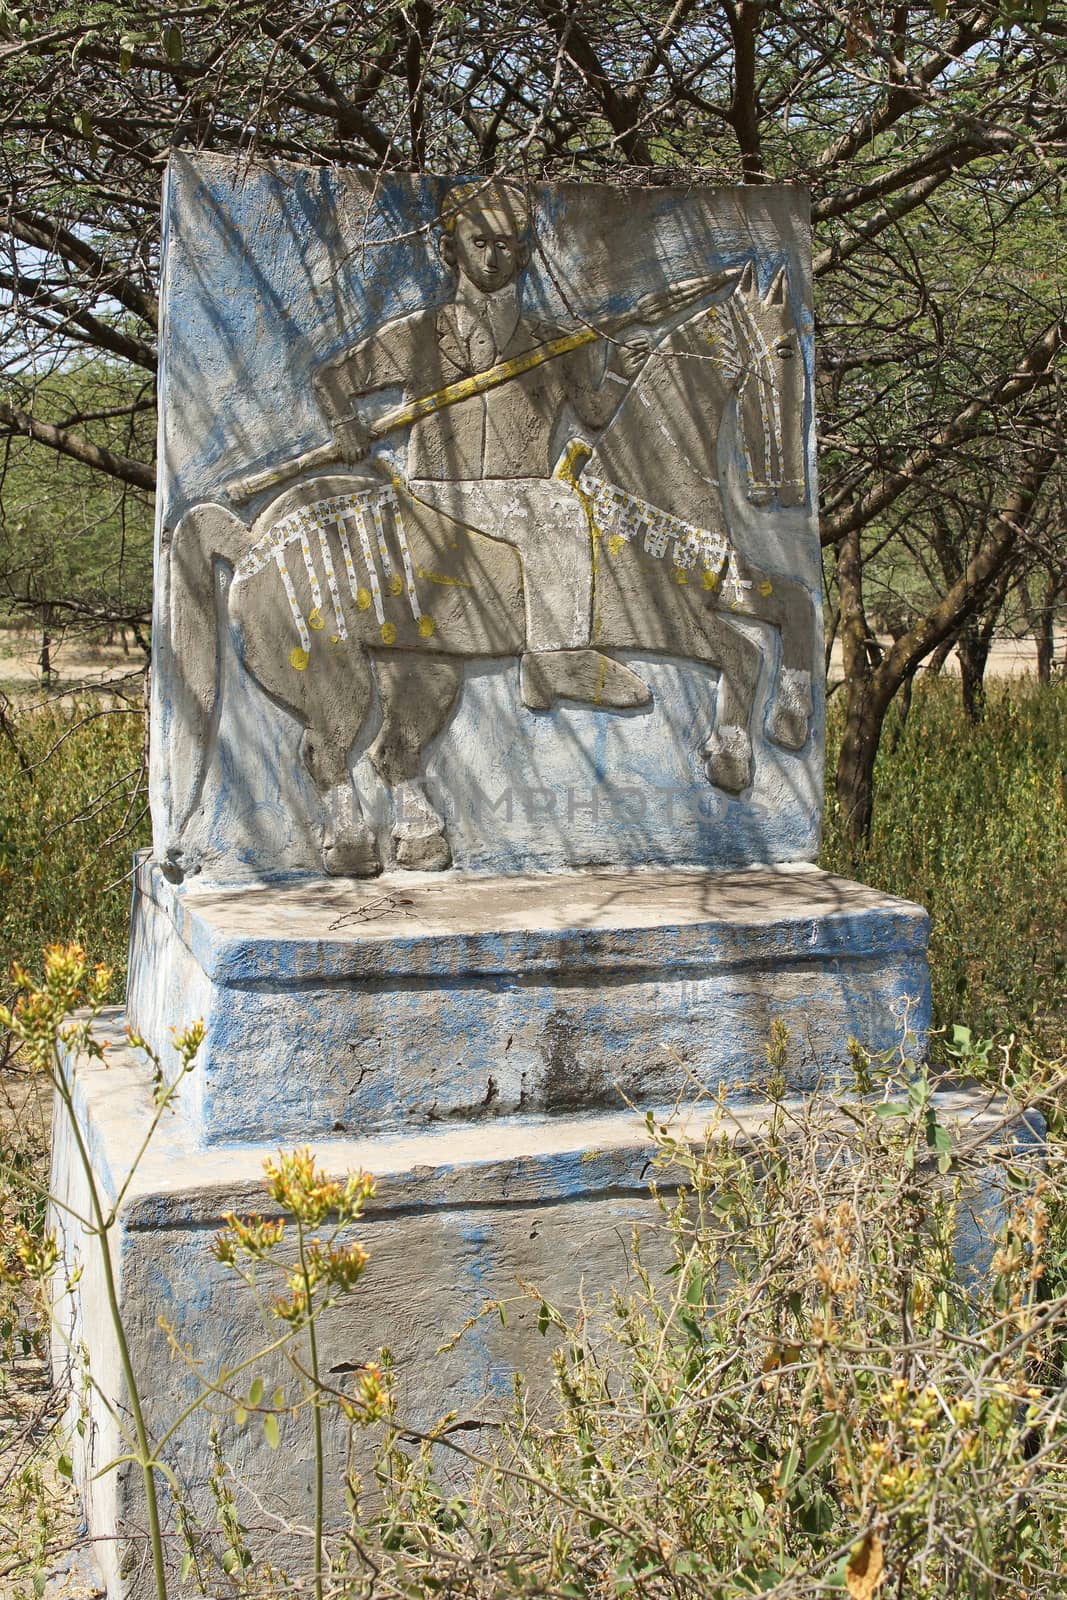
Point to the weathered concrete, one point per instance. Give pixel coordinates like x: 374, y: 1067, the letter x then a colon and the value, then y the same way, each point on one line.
x: 462, y: 1213
x: 419, y: 1000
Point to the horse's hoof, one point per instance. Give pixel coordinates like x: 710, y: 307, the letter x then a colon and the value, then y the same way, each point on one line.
x: 352, y: 858
x: 729, y: 763
x: 427, y: 852
x: 789, y: 721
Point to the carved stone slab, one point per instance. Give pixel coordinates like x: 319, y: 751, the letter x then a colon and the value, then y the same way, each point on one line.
x: 486, y: 527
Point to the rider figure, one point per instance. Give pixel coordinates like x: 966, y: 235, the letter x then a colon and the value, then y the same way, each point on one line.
x: 488, y: 460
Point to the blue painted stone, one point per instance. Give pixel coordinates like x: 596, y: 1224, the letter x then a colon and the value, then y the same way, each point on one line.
x: 413, y: 1001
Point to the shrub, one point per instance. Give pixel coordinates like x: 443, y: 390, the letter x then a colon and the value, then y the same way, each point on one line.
x: 73, y: 808
x: 812, y: 1399
x: 971, y: 821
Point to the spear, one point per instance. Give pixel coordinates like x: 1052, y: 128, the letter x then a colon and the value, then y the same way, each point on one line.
x: 649, y: 308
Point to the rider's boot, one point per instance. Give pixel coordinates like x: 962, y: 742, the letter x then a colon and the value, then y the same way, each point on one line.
x: 791, y: 717
x: 587, y: 675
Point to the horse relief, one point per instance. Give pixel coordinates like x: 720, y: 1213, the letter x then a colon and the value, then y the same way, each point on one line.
x: 489, y: 533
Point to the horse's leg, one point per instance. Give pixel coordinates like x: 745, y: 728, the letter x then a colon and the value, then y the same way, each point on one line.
x: 728, y: 751
x: 787, y: 606
x: 417, y: 695
x: 349, y: 848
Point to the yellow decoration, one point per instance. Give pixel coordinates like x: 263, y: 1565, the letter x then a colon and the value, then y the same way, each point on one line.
x: 615, y: 543
x: 363, y: 599
x: 711, y: 579
x: 425, y: 626
x: 766, y: 588
x: 388, y: 633
x: 396, y: 584
x: 680, y: 575
x: 444, y: 578
x: 315, y: 620
x: 299, y: 659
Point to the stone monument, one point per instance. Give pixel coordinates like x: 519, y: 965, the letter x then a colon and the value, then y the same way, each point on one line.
x: 487, y: 743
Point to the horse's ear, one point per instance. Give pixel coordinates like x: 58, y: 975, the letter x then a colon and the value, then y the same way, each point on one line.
x: 747, y: 284
x: 778, y: 292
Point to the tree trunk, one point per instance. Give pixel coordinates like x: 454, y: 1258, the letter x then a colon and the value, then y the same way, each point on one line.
x: 1046, y: 646
x: 972, y: 647
x: 863, y: 725
x: 870, y: 689
x: 855, y: 767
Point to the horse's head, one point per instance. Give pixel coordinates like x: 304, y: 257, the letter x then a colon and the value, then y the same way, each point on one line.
x: 768, y: 368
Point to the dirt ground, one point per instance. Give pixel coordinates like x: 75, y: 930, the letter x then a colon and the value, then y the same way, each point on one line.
x: 1008, y: 658
x: 75, y: 664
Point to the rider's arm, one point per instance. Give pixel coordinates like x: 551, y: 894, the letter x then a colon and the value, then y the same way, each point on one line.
x: 340, y: 383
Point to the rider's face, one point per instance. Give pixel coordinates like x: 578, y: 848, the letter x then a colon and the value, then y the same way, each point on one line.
x: 488, y: 248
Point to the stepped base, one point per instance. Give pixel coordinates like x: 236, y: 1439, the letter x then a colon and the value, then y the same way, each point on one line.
x: 463, y: 1215
x: 424, y: 998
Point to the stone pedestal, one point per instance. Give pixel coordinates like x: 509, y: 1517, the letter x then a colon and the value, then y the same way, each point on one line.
x: 474, y: 1044
x: 419, y: 1000
x: 465, y: 1213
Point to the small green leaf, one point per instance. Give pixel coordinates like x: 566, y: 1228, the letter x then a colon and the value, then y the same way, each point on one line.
x: 825, y: 1435
x: 65, y: 1467
x: 255, y: 1393
x: 172, y: 44
x: 186, y: 1566
x: 788, y: 1468
x: 892, y: 1108
x: 240, y: 1416
x: 270, y: 1429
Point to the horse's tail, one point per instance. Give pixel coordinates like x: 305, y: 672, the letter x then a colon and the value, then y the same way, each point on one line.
x: 205, y: 534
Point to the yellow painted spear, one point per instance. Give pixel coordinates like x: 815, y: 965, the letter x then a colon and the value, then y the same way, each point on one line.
x: 648, y: 309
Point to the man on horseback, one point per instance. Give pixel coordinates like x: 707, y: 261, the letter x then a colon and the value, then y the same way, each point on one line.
x: 489, y: 460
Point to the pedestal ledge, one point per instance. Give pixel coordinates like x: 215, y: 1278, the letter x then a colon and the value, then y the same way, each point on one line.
x: 420, y: 999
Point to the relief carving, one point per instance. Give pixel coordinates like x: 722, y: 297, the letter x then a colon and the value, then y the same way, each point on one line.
x: 557, y: 500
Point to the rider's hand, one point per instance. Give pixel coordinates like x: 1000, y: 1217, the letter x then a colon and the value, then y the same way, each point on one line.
x: 628, y: 359
x: 352, y: 440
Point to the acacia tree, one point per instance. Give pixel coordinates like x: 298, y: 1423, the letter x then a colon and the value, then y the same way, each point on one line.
x: 932, y: 137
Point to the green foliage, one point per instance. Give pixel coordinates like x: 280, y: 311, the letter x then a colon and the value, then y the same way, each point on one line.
x: 74, y: 545
x: 68, y: 827
x: 797, y: 1394
x: 971, y: 821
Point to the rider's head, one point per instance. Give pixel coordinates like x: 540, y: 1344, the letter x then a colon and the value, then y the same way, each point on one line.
x: 484, y: 233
